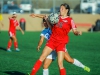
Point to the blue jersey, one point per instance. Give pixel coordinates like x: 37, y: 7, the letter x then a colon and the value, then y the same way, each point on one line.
x: 46, y: 33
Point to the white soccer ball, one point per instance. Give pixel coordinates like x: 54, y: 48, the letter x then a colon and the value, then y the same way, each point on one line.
x: 53, y: 18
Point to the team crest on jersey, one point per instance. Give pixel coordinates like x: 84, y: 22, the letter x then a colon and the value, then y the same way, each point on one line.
x: 60, y: 24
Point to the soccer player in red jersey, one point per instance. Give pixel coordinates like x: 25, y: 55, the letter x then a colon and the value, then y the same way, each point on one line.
x: 58, y: 40
x: 12, y: 32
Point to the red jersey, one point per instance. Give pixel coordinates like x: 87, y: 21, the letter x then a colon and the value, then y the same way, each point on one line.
x: 61, y: 29
x: 13, y: 24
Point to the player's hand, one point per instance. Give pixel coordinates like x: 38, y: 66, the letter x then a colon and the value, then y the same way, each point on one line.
x: 23, y: 32
x: 46, y: 17
x: 38, y: 48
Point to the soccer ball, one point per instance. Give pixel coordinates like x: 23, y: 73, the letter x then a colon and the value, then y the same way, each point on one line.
x: 53, y: 18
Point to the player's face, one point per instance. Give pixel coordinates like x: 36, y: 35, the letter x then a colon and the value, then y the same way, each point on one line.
x: 45, y: 24
x: 63, y: 11
x: 14, y: 16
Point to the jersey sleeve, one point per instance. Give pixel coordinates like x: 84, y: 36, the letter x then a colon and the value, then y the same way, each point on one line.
x: 42, y: 33
x: 46, y: 33
x: 73, y: 26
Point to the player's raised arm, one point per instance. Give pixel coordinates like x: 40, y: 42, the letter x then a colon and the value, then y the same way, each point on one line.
x: 49, y: 24
x: 37, y: 15
x: 12, y: 16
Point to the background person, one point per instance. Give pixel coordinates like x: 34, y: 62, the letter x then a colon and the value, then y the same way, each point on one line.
x: 12, y: 32
x: 1, y: 18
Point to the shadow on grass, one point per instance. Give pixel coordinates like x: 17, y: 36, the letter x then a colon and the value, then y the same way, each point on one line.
x: 1, y: 48
x: 14, y: 73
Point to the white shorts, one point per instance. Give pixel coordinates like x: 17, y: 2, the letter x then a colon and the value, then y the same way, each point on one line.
x: 12, y: 34
x: 52, y: 55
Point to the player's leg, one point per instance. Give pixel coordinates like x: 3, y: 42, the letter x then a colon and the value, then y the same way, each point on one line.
x: 9, y: 44
x: 51, y: 57
x: 75, y: 62
x: 15, y: 43
x: 46, y: 64
x: 61, y: 52
x: 60, y: 62
x: 46, y: 51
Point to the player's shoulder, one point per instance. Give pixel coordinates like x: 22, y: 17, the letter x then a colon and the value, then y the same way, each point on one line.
x: 44, y: 30
x: 69, y: 18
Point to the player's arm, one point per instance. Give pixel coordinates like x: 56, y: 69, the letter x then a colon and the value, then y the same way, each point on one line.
x: 10, y: 17
x: 20, y: 29
x: 40, y: 43
x: 47, y: 21
x: 1, y: 18
x: 37, y: 15
x: 1, y: 23
x: 49, y: 24
x: 76, y: 32
x: 74, y: 28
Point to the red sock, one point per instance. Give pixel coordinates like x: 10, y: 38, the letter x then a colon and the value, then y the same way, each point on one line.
x: 63, y: 71
x: 9, y: 45
x: 36, y: 67
x: 15, y: 45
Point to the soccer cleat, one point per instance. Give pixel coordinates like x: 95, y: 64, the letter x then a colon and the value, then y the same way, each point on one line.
x: 87, y: 69
x: 17, y: 50
x: 28, y: 73
x: 8, y: 50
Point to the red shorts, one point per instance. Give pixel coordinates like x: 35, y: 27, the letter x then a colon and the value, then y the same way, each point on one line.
x: 54, y: 45
x: 11, y: 34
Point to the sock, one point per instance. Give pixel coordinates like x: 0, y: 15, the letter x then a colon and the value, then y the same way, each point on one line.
x: 15, y: 45
x: 63, y: 71
x: 45, y: 72
x: 77, y: 63
x: 36, y: 67
x: 9, y: 45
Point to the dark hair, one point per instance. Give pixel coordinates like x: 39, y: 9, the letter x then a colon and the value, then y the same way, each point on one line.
x: 67, y: 7
x: 44, y: 20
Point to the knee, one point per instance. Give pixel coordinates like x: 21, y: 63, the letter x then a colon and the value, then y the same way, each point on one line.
x: 15, y: 40
x: 42, y: 57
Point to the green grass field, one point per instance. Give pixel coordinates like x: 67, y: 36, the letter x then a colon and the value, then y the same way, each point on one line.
x: 85, y: 48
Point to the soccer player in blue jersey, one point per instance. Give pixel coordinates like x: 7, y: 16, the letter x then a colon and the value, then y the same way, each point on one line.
x: 45, y: 34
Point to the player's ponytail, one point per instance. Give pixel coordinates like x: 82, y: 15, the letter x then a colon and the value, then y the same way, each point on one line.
x: 67, y: 7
